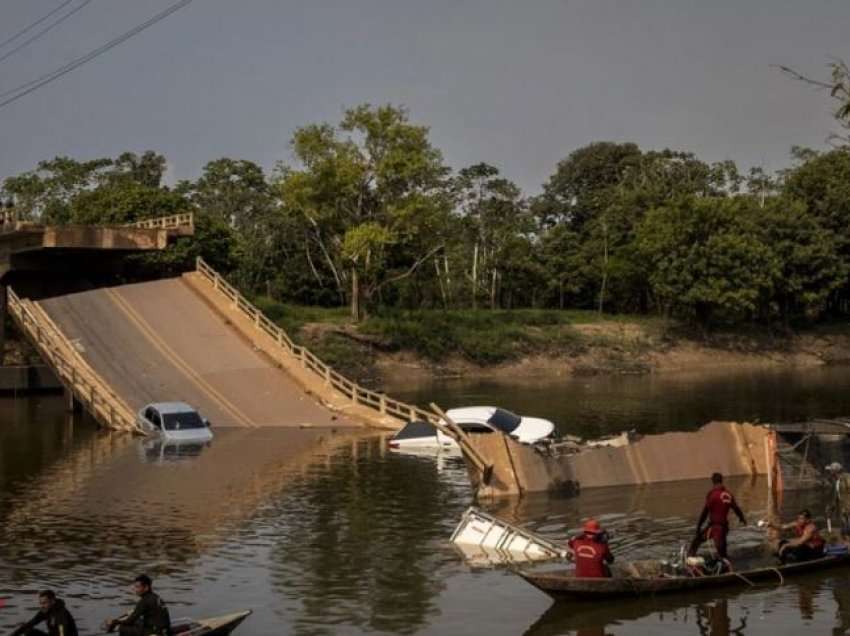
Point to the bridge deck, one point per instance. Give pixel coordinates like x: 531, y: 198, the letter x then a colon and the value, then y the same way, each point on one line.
x: 160, y: 341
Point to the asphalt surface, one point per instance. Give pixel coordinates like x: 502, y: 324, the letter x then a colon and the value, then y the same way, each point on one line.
x: 159, y: 341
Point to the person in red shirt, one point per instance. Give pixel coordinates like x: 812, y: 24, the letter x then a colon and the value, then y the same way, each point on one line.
x: 590, y: 551
x: 807, y: 543
x: 718, y: 503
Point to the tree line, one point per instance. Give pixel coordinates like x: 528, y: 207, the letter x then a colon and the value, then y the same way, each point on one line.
x: 367, y: 214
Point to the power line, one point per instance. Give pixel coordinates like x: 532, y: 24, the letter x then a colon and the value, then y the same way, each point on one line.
x: 34, y: 24
x: 46, y: 29
x: 33, y: 85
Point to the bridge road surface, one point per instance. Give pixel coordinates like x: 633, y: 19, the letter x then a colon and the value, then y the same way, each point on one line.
x: 159, y: 341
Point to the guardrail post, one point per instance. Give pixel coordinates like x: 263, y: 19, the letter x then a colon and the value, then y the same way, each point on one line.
x: 257, y: 319
x: 354, y: 394
x: 303, y: 357
x: 383, y: 404
x: 327, y: 375
x: 412, y: 414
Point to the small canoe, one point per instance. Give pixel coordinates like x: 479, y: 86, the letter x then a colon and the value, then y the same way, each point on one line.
x: 215, y: 626
x: 565, y: 586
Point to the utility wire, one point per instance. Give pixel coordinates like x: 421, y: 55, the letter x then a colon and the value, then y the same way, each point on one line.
x: 33, y: 85
x: 34, y: 24
x: 46, y: 29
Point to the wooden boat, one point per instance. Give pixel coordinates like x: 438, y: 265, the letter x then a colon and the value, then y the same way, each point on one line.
x: 564, y: 586
x: 215, y: 626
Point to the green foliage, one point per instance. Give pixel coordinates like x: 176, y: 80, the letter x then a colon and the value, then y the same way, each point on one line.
x: 481, y: 336
x: 368, y: 216
x: 707, y: 259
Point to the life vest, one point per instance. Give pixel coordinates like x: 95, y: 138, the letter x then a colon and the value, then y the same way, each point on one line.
x: 590, y: 556
x: 816, y: 541
x: 719, y: 502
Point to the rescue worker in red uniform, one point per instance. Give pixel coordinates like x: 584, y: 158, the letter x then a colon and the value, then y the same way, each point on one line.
x: 718, y: 503
x: 590, y: 551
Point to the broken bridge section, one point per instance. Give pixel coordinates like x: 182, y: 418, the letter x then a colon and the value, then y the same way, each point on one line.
x: 160, y: 341
x: 195, y: 339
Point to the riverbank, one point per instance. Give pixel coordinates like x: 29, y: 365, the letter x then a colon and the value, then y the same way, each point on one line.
x: 502, y: 344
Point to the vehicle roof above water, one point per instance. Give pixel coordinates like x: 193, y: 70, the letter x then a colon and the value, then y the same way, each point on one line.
x: 171, y: 407
x: 472, y: 412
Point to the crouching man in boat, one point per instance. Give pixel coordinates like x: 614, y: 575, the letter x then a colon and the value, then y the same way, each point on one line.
x: 54, y: 614
x: 718, y: 503
x: 807, y: 543
x: 150, y: 617
x: 590, y: 551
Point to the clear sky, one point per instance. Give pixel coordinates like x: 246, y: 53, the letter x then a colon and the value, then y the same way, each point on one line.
x: 517, y: 84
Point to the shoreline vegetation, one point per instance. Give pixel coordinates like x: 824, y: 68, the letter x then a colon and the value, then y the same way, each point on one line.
x: 377, y: 254
x: 430, y: 344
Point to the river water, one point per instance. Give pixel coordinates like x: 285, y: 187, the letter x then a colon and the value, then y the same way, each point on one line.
x: 328, y: 533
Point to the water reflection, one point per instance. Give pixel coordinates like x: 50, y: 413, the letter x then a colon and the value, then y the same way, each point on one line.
x: 360, y: 543
x: 325, y: 533
x: 649, y: 403
x: 159, y: 451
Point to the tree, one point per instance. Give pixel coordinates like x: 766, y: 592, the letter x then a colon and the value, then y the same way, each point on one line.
x: 810, y: 266
x: 46, y: 193
x: 708, y: 259
x: 372, y: 196
x: 582, y: 183
x: 236, y: 194
x: 838, y: 86
x: 495, y: 220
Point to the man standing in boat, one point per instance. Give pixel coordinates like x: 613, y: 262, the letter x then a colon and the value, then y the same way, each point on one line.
x: 590, y: 551
x: 718, y: 503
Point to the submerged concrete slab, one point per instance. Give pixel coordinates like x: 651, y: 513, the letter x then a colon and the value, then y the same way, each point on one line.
x: 726, y: 447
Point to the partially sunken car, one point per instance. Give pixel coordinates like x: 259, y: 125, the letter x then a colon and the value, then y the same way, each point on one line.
x: 174, y: 421
x: 418, y: 435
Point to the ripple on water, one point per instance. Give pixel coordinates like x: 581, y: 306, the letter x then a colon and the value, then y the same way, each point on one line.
x: 334, y: 537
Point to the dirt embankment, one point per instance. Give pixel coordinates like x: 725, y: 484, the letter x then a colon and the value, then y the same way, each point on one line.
x: 615, y: 348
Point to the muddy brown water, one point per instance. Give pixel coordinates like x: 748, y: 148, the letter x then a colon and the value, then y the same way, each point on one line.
x: 331, y: 534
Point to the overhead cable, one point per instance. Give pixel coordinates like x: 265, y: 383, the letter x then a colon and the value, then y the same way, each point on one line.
x: 45, y: 30
x: 33, y: 85
x: 14, y: 37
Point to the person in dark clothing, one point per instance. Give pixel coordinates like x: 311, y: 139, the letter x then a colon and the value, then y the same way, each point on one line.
x: 718, y: 503
x: 590, y: 551
x: 150, y: 617
x: 54, y: 613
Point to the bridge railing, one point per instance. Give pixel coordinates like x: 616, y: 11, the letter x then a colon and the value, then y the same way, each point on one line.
x: 173, y: 222
x: 307, y: 359
x: 74, y: 374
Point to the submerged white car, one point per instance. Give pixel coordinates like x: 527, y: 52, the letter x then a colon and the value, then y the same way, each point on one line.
x: 420, y: 435
x: 174, y: 421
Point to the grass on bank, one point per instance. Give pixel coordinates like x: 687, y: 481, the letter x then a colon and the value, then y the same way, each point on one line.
x: 481, y: 336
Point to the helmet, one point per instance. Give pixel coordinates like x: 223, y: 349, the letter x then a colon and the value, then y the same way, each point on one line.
x: 591, y: 526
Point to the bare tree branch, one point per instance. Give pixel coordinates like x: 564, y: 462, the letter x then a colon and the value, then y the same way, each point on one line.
x: 410, y: 271
x: 790, y: 72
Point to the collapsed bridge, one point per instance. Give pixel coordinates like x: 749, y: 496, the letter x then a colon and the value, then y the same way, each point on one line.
x: 192, y: 338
